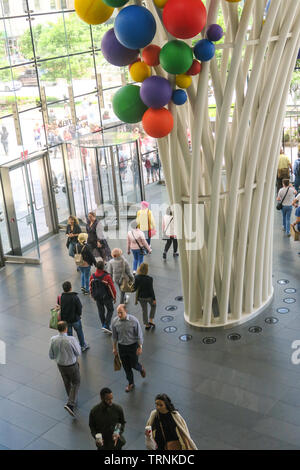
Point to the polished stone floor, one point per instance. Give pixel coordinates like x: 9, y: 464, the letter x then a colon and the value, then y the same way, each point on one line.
x: 242, y: 394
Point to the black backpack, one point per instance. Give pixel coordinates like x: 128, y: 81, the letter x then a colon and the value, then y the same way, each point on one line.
x: 99, y: 289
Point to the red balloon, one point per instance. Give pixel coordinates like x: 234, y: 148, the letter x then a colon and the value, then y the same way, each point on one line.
x: 184, y: 19
x: 158, y: 122
x: 150, y: 55
x: 195, y: 68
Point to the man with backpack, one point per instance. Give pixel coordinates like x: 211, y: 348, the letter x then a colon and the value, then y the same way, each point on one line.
x: 296, y: 170
x: 103, y: 291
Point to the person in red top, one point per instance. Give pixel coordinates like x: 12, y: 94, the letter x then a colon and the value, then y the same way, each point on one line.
x: 103, y: 291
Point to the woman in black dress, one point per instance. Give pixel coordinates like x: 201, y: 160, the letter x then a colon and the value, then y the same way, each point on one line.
x: 96, y: 241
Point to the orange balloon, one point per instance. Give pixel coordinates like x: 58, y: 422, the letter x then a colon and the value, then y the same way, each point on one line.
x: 158, y: 122
x: 150, y: 55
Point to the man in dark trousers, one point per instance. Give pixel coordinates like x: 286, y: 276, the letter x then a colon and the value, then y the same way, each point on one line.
x: 65, y: 350
x: 103, y: 291
x: 71, y: 310
x: 107, y: 419
x: 127, y: 336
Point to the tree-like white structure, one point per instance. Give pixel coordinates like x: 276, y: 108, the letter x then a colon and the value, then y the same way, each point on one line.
x: 231, y: 169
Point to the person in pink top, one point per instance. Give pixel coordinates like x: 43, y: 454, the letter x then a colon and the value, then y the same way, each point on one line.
x: 136, y: 242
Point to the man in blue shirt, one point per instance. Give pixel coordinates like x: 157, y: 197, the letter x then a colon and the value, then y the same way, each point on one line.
x: 296, y: 170
x: 127, y: 335
x: 65, y: 350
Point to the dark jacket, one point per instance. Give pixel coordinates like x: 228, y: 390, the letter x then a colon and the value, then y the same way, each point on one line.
x: 71, y: 307
x: 92, y: 235
x: 87, y: 255
x: 103, y: 419
x: 144, y: 284
x: 76, y: 229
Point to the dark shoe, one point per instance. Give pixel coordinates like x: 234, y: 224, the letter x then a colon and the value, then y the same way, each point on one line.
x: 85, y: 348
x: 86, y: 292
x: 147, y: 327
x: 288, y: 234
x: 129, y: 388
x: 152, y: 325
x: 82, y: 289
x: 164, y: 255
x: 143, y: 372
x: 175, y: 255
x: 70, y: 409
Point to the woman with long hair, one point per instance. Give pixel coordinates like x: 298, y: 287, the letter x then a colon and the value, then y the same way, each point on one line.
x: 168, y: 427
x: 72, y: 232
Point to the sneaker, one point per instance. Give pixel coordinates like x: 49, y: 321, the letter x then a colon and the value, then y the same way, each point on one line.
x: 70, y: 409
x: 126, y: 300
x: 288, y: 234
x: 147, y: 327
x: 175, y: 254
x: 86, y: 292
x: 85, y: 348
x: 107, y: 329
x: 143, y: 372
x: 129, y: 388
x: 283, y: 229
x: 134, y: 273
x: 82, y: 289
x: 164, y: 255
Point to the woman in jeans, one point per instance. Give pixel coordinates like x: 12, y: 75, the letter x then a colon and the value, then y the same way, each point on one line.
x: 286, y: 195
x: 169, y: 429
x: 143, y: 284
x: 88, y: 260
x: 72, y: 232
x: 136, y: 242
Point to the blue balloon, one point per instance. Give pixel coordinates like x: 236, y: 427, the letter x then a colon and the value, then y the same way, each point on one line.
x: 135, y: 27
x: 179, y: 97
x: 204, y: 50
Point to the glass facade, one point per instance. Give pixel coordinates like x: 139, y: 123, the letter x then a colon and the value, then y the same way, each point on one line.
x: 56, y: 88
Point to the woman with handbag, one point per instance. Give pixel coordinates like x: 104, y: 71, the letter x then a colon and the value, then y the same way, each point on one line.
x: 286, y: 198
x: 118, y: 268
x: 72, y: 232
x: 169, y: 234
x: 136, y: 242
x: 88, y: 259
x: 143, y: 284
x: 96, y: 240
x: 145, y: 221
x: 168, y: 427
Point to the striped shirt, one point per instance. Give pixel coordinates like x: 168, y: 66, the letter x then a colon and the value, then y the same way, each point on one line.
x: 64, y: 349
x: 127, y: 331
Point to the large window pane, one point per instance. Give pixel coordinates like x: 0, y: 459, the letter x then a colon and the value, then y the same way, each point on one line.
x: 56, y: 78
x: 32, y: 129
x: 49, y: 36
x: 83, y: 74
x: 9, y: 149
x: 78, y: 33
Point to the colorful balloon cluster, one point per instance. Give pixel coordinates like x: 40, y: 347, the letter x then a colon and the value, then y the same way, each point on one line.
x: 129, y: 42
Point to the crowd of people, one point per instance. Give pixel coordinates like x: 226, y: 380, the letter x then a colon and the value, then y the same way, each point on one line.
x: 288, y: 195
x: 114, y: 279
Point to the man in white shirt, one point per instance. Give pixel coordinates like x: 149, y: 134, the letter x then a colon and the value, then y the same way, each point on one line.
x: 65, y: 350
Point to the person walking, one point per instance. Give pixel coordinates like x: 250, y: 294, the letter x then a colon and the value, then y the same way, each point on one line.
x: 143, y: 285
x: 286, y: 197
x: 145, y: 221
x: 136, y: 242
x: 70, y: 312
x: 168, y: 228
x: 128, y: 339
x: 88, y: 260
x: 118, y: 267
x: 283, y: 169
x: 296, y: 170
x: 65, y: 350
x: 96, y: 239
x: 103, y: 291
x: 72, y: 232
x: 169, y: 429
x: 4, y: 139
x: 107, y: 419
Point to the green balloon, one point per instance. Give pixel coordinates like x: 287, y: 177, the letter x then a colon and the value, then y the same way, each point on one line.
x: 176, y: 57
x: 115, y: 3
x: 127, y: 104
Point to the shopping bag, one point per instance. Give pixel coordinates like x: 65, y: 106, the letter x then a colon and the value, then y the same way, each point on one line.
x: 54, y: 317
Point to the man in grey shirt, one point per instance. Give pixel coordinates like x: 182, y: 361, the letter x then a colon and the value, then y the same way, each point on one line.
x: 128, y: 337
x: 64, y: 350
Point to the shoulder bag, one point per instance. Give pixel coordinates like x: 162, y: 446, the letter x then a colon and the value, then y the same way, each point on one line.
x: 143, y: 250
x: 165, y: 236
x: 126, y: 285
x: 78, y: 258
x: 279, y: 203
x: 171, y: 445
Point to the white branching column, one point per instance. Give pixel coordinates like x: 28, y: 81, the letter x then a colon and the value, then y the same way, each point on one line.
x: 232, y: 167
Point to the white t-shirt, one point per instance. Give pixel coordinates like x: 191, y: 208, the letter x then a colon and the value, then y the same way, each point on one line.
x: 288, y: 199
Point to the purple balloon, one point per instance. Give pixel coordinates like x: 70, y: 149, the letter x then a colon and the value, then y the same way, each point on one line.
x: 214, y: 32
x: 114, y: 52
x: 156, y: 92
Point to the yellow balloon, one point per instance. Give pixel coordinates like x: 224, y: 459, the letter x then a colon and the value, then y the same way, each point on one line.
x: 139, y: 71
x: 183, y: 81
x: 93, y: 11
x: 160, y: 3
